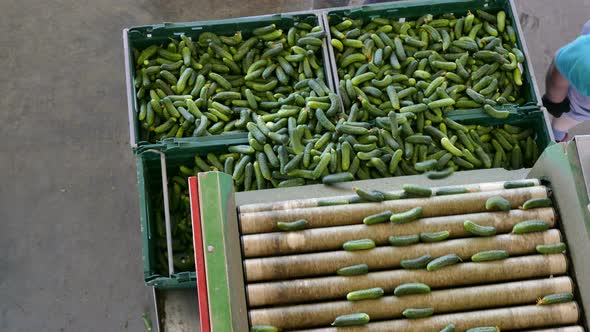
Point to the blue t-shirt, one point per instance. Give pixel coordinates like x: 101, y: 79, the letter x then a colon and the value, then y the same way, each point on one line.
x: 573, y: 62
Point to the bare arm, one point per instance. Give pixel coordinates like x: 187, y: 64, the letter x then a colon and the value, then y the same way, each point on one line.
x: 556, y: 85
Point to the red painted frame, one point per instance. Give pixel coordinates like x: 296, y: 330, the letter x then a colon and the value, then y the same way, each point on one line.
x: 199, y: 255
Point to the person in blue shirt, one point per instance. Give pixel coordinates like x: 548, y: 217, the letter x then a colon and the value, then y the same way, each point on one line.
x: 567, y: 86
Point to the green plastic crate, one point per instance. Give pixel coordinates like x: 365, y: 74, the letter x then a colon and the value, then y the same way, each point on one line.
x: 413, y: 9
x: 149, y: 176
x: 528, y: 117
x: 150, y: 181
x: 143, y: 36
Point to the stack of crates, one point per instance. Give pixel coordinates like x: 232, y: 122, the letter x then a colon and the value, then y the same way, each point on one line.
x: 179, y: 151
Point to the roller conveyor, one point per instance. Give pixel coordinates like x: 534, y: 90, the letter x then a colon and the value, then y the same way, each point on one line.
x: 289, y: 280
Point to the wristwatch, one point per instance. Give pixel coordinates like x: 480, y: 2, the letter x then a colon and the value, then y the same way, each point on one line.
x: 556, y: 109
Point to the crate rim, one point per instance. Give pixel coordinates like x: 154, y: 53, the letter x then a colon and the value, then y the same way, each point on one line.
x: 528, y: 71
x: 241, y: 19
x: 132, y: 106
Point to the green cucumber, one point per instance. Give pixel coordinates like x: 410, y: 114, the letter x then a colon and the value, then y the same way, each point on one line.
x: 548, y: 249
x: 294, y: 182
x: 365, y: 294
x: 403, y: 240
x: 498, y: 114
x: 351, y: 320
x: 443, y: 261
x: 534, y: 203
x: 419, y: 139
x: 497, y: 203
x: 451, y: 191
x: 353, y: 270
x: 490, y: 255
x: 518, y: 184
x: 426, y: 165
x: 337, y: 178
x: 293, y: 225
x: 556, y: 298
x: 417, y: 190
x: 407, y: 216
x: 436, y: 175
x: 416, y: 263
x: 354, y: 245
x: 530, y: 226
x: 418, y: 108
x: 331, y: 202
x: 449, y: 146
x: 371, y: 196
x: 479, y: 230
x: 377, y: 218
x: 411, y: 288
x: 434, y: 237
x: 413, y: 313
x: 242, y: 149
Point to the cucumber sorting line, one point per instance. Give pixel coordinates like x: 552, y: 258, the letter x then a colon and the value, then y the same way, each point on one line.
x: 477, y: 257
x: 342, y: 95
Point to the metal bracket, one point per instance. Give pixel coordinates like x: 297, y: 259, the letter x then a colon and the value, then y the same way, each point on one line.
x: 130, y: 90
x: 166, y: 210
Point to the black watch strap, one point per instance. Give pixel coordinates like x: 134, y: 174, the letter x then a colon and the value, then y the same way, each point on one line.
x: 556, y: 109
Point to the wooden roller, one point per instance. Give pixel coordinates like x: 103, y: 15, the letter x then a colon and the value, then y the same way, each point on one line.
x: 561, y: 329
x: 388, y: 257
x: 523, y: 317
x: 334, y: 287
x: 265, y: 221
x: 390, y: 307
x: 331, y: 238
x: 313, y: 202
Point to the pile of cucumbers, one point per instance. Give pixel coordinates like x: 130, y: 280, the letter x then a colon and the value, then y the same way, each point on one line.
x: 398, y: 83
x: 360, y: 151
x: 428, y: 66
x: 217, y: 84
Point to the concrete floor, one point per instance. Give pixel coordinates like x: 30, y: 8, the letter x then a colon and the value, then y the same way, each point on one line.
x: 69, y: 230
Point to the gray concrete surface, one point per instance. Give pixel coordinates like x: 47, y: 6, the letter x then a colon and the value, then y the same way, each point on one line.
x: 69, y: 230
x: 69, y: 226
